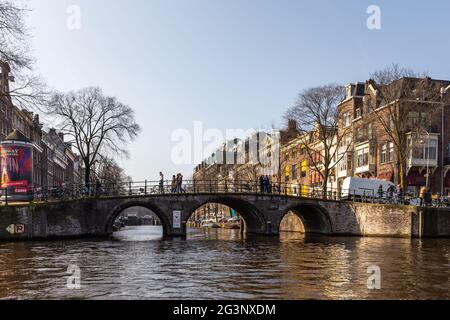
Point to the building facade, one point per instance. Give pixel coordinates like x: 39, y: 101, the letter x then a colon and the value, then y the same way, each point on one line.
x: 406, y: 119
x: 54, y: 161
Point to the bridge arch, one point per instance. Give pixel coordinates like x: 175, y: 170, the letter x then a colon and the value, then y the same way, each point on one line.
x: 314, y: 217
x: 254, y: 219
x: 143, y: 204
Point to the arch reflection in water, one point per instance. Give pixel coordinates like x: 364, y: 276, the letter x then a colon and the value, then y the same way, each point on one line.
x: 137, y: 224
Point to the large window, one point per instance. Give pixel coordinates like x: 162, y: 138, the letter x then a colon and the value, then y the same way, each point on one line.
x: 387, y: 152
x: 426, y: 150
x: 362, y: 157
x: 343, y: 163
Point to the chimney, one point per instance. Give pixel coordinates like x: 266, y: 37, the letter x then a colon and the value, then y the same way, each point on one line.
x: 4, y: 77
x: 61, y: 136
x: 292, y: 125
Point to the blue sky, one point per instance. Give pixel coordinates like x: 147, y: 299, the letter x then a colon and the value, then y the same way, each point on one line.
x: 228, y: 63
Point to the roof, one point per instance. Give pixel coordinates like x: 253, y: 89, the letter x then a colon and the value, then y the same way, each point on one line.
x: 16, y: 135
x: 408, y: 87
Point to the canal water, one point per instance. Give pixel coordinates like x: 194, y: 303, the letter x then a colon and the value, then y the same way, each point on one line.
x: 217, y: 264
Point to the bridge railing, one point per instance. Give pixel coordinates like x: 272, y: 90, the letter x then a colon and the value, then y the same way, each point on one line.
x: 12, y: 195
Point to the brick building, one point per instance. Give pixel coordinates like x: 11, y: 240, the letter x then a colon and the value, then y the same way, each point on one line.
x: 413, y: 115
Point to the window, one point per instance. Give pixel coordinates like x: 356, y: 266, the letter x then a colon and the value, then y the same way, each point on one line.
x: 294, y: 172
x: 383, y: 153
x: 343, y: 163
x: 370, y: 131
x: 369, y: 106
x: 359, y: 134
x: 390, y: 149
x: 358, y: 113
x: 362, y: 158
x: 346, y: 120
x: 427, y: 150
x: 387, y: 152
x: 390, y: 123
x: 432, y: 149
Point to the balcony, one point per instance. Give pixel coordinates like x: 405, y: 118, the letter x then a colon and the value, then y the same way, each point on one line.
x: 422, y: 163
x: 370, y: 168
x: 424, y: 152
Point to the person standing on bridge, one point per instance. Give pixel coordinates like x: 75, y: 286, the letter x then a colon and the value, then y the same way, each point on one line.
x: 179, y: 183
x: 161, y: 183
x: 174, y: 184
x: 422, y: 192
x: 261, y: 183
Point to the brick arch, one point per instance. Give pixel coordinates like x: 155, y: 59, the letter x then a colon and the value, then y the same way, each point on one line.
x: 254, y: 219
x: 314, y: 217
x: 165, y: 222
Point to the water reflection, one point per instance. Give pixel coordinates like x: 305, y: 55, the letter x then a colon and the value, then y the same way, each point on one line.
x: 218, y: 264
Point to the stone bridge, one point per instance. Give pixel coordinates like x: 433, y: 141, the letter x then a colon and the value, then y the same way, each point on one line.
x: 262, y: 214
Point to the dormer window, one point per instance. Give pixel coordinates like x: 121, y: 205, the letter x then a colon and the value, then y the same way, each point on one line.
x: 349, y: 91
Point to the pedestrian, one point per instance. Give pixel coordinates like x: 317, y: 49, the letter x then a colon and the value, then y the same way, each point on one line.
x: 179, y: 183
x: 161, y: 183
x: 428, y: 198
x: 380, y: 192
x: 391, y: 192
x: 174, y: 184
x: 269, y: 185
x: 399, y: 193
x: 261, y: 183
x: 422, y: 192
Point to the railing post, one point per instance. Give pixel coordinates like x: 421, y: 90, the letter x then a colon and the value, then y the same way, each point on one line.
x: 145, y: 186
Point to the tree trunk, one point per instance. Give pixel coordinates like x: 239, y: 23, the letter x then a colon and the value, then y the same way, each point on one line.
x: 325, y: 185
x: 402, y: 172
x: 87, y: 175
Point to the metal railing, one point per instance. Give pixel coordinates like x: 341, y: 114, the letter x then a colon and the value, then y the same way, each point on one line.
x: 151, y: 188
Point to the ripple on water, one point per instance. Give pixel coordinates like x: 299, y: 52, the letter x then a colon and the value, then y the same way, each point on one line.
x: 215, y: 264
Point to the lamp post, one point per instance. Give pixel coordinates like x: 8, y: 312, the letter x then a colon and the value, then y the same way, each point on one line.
x: 428, y: 159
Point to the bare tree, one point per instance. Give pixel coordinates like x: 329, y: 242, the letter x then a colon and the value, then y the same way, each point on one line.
x: 395, y: 72
x: 95, y: 123
x: 109, y: 171
x: 25, y: 88
x: 406, y: 104
x: 317, y: 116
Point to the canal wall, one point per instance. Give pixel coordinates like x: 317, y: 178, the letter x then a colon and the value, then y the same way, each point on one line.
x: 381, y: 220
